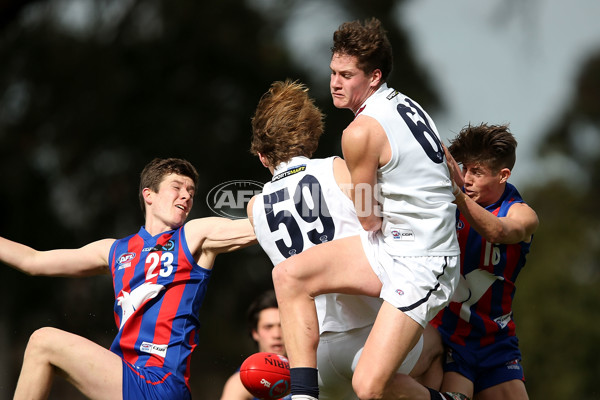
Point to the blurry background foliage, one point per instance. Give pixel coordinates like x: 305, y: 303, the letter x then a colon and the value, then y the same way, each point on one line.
x: 92, y: 90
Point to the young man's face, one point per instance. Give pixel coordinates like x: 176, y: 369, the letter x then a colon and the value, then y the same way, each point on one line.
x: 173, y: 201
x: 482, y: 184
x: 268, y: 333
x: 349, y: 85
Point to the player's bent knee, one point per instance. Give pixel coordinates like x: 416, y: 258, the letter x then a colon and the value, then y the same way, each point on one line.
x: 284, y: 277
x: 39, y: 339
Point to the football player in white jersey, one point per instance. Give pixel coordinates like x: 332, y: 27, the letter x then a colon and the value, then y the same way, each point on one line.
x: 307, y: 203
x: 408, y: 254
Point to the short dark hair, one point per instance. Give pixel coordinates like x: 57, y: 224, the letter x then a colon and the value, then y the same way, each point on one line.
x: 265, y: 300
x: 155, y: 171
x: 490, y: 145
x: 367, y: 42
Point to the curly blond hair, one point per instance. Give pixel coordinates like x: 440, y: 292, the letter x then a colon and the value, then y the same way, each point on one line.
x: 286, y: 123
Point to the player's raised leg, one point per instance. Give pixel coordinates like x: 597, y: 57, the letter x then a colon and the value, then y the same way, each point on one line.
x: 339, y: 266
x: 92, y: 369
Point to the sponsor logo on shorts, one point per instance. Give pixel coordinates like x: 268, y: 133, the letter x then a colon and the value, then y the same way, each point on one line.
x: 157, y: 349
x: 124, y: 260
x: 514, y: 364
x: 402, y: 234
x: 400, y: 292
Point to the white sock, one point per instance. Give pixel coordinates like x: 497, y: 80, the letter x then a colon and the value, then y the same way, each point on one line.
x: 302, y: 397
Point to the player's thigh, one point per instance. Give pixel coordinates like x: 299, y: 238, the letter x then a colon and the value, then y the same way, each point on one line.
x: 455, y: 382
x: 432, y: 352
x: 510, y: 390
x: 393, y: 335
x: 338, y: 266
x: 94, y: 370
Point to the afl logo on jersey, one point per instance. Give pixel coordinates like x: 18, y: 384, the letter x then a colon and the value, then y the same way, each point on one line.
x: 124, y: 260
x: 229, y: 199
x: 460, y: 225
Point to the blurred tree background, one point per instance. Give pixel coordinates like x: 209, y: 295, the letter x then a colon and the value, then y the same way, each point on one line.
x: 92, y: 90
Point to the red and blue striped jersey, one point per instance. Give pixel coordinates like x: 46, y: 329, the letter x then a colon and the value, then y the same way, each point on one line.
x: 480, y: 312
x: 159, y: 289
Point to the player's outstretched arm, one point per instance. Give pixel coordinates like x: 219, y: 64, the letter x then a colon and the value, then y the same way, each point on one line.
x: 210, y: 236
x: 91, y: 259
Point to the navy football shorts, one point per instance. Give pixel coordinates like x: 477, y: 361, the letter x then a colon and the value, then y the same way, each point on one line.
x: 483, y: 374
x: 152, y: 383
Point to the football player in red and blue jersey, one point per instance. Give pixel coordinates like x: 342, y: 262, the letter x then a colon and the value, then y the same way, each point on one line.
x: 495, y: 229
x: 160, y: 276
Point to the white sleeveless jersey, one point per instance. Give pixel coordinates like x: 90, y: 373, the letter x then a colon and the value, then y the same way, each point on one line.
x: 414, y: 187
x: 303, y: 206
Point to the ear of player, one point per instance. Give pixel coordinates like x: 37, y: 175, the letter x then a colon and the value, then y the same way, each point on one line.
x: 266, y: 375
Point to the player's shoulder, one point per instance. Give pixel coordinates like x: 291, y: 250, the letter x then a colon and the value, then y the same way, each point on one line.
x: 363, y: 133
x: 360, y: 128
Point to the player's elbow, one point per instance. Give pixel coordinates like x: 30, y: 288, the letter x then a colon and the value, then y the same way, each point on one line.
x: 504, y: 236
x: 495, y: 236
x: 31, y: 269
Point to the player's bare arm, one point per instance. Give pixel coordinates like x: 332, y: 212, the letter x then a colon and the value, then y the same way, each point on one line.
x: 210, y: 236
x: 234, y: 389
x: 249, y: 210
x: 91, y: 259
x: 366, y: 148
x: 518, y: 226
x: 342, y: 176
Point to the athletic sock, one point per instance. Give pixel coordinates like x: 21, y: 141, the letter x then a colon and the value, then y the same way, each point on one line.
x: 304, y: 383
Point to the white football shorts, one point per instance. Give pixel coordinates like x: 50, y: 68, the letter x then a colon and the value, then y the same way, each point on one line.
x: 419, y: 286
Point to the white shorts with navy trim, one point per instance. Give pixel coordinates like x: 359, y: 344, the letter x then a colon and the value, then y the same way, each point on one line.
x: 419, y: 286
